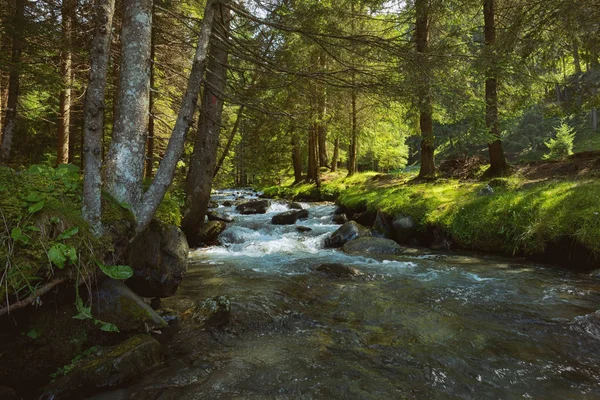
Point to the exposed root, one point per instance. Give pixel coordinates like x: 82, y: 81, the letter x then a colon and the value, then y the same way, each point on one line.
x: 32, y: 298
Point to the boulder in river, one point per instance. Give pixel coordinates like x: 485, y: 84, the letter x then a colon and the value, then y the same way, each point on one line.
x: 339, y: 219
x: 213, y: 204
x: 228, y: 203
x: 347, y: 232
x: 110, y: 367
x: 254, y: 207
x: 215, y: 311
x: 366, y: 218
x: 371, y: 245
x: 336, y: 269
x: 158, y: 257
x: 219, y: 216
x: 208, y: 233
x: 404, y: 228
x: 289, y: 217
x: 303, y: 229
x: 382, y: 227
x: 295, y: 206
x: 117, y: 304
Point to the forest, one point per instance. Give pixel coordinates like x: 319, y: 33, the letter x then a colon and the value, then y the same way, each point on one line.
x: 136, y: 134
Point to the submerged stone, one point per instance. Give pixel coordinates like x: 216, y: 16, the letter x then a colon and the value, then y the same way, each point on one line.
x: 336, y: 269
x: 215, y: 311
x: 347, y: 232
x: 372, y: 245
x: 303, y: 229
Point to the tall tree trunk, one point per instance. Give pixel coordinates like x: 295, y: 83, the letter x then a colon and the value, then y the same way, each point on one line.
x: 353, y: 153
x: 425, y: 107
x: 64, y: 120
x: 125, y: 161
x: 497, y: 159
x: 336, y: 154
x: 150, y: 141
x: 236, y: 125
x: 94, y: 114
x: 313, y: 158
x: 202, y: 163
x: 10, y: 116
x: 322, y: 128
x: 164, y: 175
x: 296, y: 156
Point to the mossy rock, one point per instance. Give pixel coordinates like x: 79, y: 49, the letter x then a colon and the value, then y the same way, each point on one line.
x: 372, y: 245
x: 116, y: 303
x: 110, y: 367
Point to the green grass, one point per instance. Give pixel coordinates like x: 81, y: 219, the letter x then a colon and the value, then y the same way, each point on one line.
x: 520, y: 217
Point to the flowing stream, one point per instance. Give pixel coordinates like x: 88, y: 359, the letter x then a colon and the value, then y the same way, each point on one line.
x: 422, y: 325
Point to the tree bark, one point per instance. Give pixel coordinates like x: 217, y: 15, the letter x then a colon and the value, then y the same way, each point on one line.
x: 236, y: 125
x: 150, y: 142
x: 353, y: 153
x: 64, y: 120
x: 336, y: 154
x: 94, y: 114
x: 164, y: 175
x: 125, y: 160
x: 296, y: 156
x: 322, y: 127
x: 10, y: 115
x: 203, y: 161
x: 313, y: 158
x: 497, y: 159
x: 427, y: 169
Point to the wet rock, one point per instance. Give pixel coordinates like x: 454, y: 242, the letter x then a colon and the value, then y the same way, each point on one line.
x: 213, y: 204
x: 215, y: 311
x: 339, y: 219
x: 382, y: 227
x: 219, y: 216
x: 440, y: 241
x: 303, y: 229
x: 7, y: 393
x: 208, y: 233
x: 295, y: 206
x: 228, y: 203
x: 159, y: 259
x: 595, y: 273
x: 366, y: 218
x: 487, y: 190
x: 253, y: 207
x: 169, y: 315
x: 110, y: 367
x: 289, y: 217
x: 116, y: 303
x: 404, y: 228
x: 347, y: 232
x: 372, y: 245
x: 339, y: 210
x: 335, y: 269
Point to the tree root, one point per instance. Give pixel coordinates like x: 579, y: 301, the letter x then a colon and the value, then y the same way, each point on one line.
x: 31, y: 299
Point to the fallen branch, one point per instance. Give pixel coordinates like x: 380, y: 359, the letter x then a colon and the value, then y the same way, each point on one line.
x: 31, y: 299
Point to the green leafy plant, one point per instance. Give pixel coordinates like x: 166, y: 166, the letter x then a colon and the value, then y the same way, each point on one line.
x: 562, y: 144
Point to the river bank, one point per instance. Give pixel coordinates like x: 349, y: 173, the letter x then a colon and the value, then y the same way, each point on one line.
x: 550, y: 219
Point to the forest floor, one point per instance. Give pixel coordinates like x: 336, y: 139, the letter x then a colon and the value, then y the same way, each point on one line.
x: 539, y: 209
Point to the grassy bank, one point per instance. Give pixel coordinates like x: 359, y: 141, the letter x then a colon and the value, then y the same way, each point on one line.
x: 521, y: 217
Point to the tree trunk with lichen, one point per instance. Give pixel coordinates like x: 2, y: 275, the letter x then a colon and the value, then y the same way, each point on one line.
x: 64, y: 120
x: 94, y: 114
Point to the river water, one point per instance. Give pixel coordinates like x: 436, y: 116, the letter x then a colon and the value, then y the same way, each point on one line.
x: 422, y: 325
